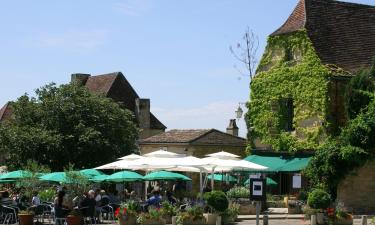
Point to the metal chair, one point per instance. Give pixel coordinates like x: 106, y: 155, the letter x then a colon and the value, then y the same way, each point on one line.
x: 9, y: 214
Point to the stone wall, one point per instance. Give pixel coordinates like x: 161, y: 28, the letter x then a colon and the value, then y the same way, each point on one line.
x: 357, y: 190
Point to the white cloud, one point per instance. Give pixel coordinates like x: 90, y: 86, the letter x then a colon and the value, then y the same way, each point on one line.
x: 73, y: 39
x: 133, y: 7
x: 213, y: 115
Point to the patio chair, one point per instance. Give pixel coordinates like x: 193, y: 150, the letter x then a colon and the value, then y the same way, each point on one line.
x: 88, y: 214
x: 59, y: 217
x: 9, y: 214
x: 107, y: 212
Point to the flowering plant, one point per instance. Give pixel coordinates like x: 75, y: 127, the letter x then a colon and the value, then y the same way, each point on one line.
x: 126, y: 210
x: 154, y: 214
x: 337, y: 215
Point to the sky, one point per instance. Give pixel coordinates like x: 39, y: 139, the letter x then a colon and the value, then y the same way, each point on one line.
x: 174, y: 52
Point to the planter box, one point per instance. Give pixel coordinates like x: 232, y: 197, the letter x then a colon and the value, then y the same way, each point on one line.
x: 154, y: 222
x: 131, y: 220
x: 196, y: 222
x: 343, y: 222
x: 168, y: 219
x: 26, y: 219
x: 210, y: 218
x: 246, y: 206
x: 73, y: 220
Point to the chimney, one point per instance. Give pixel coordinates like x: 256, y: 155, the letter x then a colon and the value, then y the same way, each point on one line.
x: 79, y: 78
x: 232, y: 128
x: 142, y: 112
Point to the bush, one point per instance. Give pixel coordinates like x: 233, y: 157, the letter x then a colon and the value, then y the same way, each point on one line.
x: 217, y: 200
x: 319, y: 199
x: 239, y: 192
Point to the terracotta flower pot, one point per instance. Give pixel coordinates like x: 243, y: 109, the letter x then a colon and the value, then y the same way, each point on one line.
x: 26, y: 219
x: 130, y: 220
x: 73, y: 220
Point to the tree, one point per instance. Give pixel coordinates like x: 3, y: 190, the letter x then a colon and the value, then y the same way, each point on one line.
x: 245, y: 52
x: 67, y: 124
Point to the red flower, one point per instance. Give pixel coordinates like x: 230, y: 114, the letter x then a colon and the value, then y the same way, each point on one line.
x: 117, y: 212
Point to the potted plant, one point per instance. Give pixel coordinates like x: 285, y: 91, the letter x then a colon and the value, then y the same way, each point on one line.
x: 74, y: 217
x: 26, y: 217
x: 229, y: 216
x: 339, y: 217
x: 152, y: 217
x: 168, y: 211
x: 126, y: 214
x: 241, y: 195
x: 320, y: 200
x: 192, y: 216
x: 218, y: 202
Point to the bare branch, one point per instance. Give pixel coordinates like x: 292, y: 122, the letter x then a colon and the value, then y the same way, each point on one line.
x: 245, y: 52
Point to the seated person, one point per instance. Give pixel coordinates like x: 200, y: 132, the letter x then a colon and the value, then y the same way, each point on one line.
x: 5, y: 200
x: 35, y: 201
x: 155, y: 199
x: 88, y: 204
x: 170, y: 197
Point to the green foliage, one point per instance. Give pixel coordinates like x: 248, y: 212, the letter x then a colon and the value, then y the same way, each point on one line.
x: 194, y: 213
x: 47, y: 195
x: 351, y: 149
x: 217, y: 200
x: 76, y: 182
x: 319, y: 199
x: 168, y: 209
x: 32, y: 183
x: 360, y: 92
x: 67, y: 124
x: 289, y: 68
x: 152, y: 215
x: 230, y: 214
x: 238, y: 192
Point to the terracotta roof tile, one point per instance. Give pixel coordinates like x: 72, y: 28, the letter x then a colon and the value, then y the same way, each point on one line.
x: 342, y: 33
x: 6, y: 112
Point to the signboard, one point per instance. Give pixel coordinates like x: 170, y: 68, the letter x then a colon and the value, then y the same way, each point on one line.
x: 257, y: 189
x: 297, y: 182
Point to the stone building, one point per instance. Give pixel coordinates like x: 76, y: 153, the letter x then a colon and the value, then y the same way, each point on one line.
x: 197, y: 143
x: 116, y: 87
x: 298, y: 92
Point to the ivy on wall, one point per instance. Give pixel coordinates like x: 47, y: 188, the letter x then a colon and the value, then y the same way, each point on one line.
x: 288, y: 69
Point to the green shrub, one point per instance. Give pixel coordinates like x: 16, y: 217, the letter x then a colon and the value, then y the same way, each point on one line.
x: 319, y: 199
x: 217, y: 200
x: 239, y: 192
x: 47, y: 195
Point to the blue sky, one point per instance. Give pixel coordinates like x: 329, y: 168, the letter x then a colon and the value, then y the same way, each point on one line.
x: 174, y: 52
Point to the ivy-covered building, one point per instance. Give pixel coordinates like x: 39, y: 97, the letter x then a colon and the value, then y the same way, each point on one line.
x: 297, y: 96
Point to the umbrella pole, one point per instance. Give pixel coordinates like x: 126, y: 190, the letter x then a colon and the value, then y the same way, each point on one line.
x: 212, y: 178
x: 200, y: 184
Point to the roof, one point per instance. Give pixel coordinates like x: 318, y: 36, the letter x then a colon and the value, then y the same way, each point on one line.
x: 6, y: 111
x: 198, y: 136
x: 342, y: 33
x: 116, y: 86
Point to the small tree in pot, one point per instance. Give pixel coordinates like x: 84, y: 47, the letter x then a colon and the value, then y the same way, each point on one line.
x: 218, y: 202
x: 320, y: 200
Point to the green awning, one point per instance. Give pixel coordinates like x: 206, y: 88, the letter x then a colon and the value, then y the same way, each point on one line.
x: 269, y: 182
x: 99, y: 178
x: 19, y: 174
x: 297, y: 164
x: 124, y: 176
x: 222, y: 177
x: 279, y: 163
x: 165, y: 175
x: 91, y: 172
